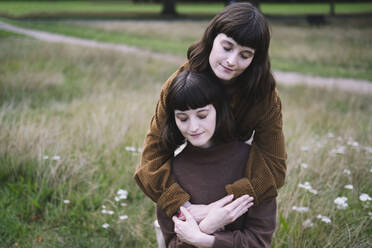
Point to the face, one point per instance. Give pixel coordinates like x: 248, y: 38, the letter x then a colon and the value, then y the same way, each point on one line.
x: 197, y: 125
x: 228, y: 59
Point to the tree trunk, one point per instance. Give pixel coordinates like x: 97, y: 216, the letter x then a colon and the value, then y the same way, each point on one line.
x: 332, y: 7
x: 169, y: 7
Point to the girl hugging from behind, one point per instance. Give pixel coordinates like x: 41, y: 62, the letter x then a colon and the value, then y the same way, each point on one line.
x: 212, y: 158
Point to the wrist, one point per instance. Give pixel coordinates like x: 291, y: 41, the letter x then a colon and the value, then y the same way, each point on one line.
x: 186, y: 204
x: 205, y: 228
x: 204, y: 240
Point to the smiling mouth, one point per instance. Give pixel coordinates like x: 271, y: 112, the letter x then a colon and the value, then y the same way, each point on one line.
x: 226, y: 68
x: 196, y: 135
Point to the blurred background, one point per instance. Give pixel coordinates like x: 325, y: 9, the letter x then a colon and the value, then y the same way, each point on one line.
x: 74, y: 114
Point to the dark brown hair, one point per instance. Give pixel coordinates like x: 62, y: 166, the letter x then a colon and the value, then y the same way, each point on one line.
x: 192, y: 90
x: 248, y: 27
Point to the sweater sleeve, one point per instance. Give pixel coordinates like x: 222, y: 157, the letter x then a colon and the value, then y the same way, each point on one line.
x: 258, y: 229
x: 266, y: 167
x: 153, y: 175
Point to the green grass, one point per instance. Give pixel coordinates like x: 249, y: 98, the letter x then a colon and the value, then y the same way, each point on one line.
x: 34, y: 9
x: 87, y: 105
x: 6, y: 34
x: 314, y: 8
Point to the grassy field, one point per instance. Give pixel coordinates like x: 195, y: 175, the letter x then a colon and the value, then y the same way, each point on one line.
x: 342, y: 48
x: 21, y: 9
x: 71, y: 116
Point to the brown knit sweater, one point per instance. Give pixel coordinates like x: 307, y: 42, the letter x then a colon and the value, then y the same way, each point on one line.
x: 203, y: 173
x: 266, y: 166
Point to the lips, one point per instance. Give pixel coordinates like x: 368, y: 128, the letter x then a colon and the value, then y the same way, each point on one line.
x: 196, y: 135
x: 227, y: 69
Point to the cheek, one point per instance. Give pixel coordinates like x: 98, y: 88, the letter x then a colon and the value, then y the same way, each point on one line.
x: 180, y: 126
x: 215, y: 55
x: 244, y: 65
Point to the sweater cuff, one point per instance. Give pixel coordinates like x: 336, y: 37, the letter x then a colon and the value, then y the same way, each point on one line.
x: 172, y: 199
x: 241, y: 187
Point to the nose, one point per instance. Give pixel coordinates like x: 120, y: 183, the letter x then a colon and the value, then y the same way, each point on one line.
x: 194, y: 125
x: 231, y: 59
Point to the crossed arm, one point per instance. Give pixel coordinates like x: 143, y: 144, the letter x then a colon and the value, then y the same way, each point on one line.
x: 256, y: 230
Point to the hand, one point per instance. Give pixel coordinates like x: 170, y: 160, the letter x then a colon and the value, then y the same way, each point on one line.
x: 200, y: 211
x: 187, y: 231
x: 225, y: 212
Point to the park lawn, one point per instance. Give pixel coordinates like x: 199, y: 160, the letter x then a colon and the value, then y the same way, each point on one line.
x: 73, y: 118
x: 81, y: 9
x: 339, y: 49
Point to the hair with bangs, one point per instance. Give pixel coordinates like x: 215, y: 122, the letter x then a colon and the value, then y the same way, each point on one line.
x: 248, y: 27
x: 192, y: 90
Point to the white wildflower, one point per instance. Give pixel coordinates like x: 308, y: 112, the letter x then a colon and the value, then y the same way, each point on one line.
x: 123, y: 217
x: 349, y: 186
x: 347, y: 172
x: 105, y: 225
x: 110, y: 212
x: 66, y: 201
x: 130, y: 149
x: 331, y: 135
x: 308, y: 187
x: 304, y: 165
x: 324, y: 219
x: 121, y: 194
x: 370, y: 170
x: 300, y: 209
x: 313, y: 191
x: 123, y: 204
x: 338, y: 150
x: 308, y: 223
x: 104, y: 211
x: 55, y: 158
x: 304, y: 148
x: 353, y: 143
x: 45, y: 157
x: 370, y: 214
x: 103, y: 206
x: 365, y: 197
x: 341, y: 202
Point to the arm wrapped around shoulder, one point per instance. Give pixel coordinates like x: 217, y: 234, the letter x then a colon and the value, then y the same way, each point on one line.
x: 153, y: 175
x: 266, y: 167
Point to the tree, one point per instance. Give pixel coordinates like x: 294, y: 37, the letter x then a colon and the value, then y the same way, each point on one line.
x: 332, y: 7
x: 169, y: 7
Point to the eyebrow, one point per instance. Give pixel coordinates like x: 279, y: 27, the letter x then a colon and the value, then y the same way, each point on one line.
x: 250, y: 50
x: 183, y: 113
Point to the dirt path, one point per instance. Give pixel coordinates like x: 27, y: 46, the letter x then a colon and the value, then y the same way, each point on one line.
x: 285, y: 78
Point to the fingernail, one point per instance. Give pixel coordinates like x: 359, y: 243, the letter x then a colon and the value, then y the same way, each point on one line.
x: 250, y: 198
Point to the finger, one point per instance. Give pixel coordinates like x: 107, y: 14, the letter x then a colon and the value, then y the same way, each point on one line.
x: 175, y: 219
x: 223, y: 201
x: 187, y: 215
x: 241, y: 200
x: 242, y: 209
x: 182, y: 217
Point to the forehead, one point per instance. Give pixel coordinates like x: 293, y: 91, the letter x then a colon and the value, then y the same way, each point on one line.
x: 221, y: 37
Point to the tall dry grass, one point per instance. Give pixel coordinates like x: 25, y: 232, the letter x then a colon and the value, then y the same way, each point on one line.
x: 92, y: 108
